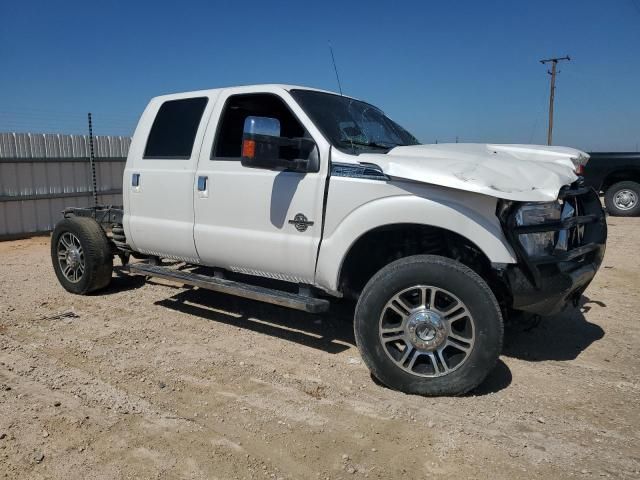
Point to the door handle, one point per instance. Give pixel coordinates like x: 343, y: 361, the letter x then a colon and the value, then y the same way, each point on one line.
x: 135, y: 180
x: 202, y: 183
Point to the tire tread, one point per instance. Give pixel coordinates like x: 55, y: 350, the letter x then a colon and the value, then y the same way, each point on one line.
x: 98, y: 257
x: 420, y: 385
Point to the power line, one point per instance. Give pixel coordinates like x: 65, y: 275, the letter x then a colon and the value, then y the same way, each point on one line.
x: 29, y: 115
x: 36, y: 120
x: 552, y: 92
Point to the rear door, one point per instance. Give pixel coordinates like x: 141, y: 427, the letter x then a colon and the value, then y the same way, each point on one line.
x: 251, y: 220
x: 159, y: 177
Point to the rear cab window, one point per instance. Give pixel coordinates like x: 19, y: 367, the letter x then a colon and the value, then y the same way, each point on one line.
x: 174, y: 129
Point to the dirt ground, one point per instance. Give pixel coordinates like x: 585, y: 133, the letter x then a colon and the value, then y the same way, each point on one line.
x: 155, y: 381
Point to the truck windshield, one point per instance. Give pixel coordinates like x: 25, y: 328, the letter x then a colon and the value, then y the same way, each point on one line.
x: 351, y: 125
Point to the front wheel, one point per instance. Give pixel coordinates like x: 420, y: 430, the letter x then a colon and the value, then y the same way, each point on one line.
x: 428, y: 325
x: 81, y: 255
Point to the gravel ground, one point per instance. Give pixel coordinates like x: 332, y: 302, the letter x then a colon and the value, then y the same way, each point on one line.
x: 155, y: 381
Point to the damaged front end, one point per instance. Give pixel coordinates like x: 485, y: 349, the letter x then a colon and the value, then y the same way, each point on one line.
x: 560, y: 246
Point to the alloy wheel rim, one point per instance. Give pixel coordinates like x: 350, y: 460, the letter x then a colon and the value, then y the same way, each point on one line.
x: 70, y: 257
x: 427, y: 331
x: 625, y: 199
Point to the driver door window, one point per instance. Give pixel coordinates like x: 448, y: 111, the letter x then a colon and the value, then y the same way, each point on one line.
x: 228, y: 143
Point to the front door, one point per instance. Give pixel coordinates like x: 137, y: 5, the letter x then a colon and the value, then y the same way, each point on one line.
x: 258, y: 221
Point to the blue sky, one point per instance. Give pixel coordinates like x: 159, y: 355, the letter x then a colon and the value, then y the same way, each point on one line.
x: 441, y: 69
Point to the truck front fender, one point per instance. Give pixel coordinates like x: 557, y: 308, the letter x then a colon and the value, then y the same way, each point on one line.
x: 469, y: 215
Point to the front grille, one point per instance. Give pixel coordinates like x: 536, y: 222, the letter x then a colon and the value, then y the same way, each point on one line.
x: 580, y: 232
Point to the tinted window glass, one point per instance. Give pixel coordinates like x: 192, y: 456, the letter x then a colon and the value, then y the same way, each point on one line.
x: 238, y: 108
x: 174, y: 128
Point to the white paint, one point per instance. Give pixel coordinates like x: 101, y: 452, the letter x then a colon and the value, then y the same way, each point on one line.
x: 159, y: 213
x: 241, y: 221
x: 528, y: 173
x: 357, y: 206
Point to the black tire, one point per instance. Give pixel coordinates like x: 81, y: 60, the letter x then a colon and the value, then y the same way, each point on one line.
x: 96, y: 254
x: 615, y: 206
x: 445, y: 275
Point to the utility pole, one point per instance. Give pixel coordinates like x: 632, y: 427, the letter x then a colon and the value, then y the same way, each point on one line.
x: 552, y: 93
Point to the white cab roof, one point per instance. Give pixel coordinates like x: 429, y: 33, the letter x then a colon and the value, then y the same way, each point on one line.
x: 258, y: 88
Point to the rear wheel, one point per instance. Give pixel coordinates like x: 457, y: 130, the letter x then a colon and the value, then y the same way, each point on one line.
x: 81, y: 255
x: 428, y: 325
x: 622, y: 199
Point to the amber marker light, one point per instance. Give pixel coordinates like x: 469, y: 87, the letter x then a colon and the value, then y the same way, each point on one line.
x: 248, y: 148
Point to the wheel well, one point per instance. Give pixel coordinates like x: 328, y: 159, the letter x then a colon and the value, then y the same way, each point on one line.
x: 383, y: 245
x: 620, y: 176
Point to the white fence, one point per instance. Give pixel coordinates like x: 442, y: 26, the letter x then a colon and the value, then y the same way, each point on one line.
x: 42, y: 174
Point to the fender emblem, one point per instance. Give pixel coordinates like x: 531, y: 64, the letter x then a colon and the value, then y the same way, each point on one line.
x: 300, y: 221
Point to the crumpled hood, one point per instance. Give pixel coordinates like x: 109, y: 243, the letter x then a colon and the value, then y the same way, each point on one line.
x: 530, y: 173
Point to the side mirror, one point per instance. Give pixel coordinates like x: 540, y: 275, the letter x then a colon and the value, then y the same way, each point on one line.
x: 262, y: 146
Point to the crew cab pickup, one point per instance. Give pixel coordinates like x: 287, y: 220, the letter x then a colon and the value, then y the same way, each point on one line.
x: 617, y: 176
x: 296, y: 196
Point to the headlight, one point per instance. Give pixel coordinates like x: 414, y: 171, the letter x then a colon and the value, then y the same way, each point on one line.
x: 541, y: 243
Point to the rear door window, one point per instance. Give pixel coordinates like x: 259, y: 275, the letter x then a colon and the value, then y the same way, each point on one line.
x: 174, y: 129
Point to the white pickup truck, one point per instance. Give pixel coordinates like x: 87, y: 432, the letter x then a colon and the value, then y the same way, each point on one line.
x: 327, y: 197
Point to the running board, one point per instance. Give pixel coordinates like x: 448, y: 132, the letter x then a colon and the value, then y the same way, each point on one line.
x: 253, y: 292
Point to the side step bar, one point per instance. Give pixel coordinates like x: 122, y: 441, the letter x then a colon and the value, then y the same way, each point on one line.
x: 253, y: 292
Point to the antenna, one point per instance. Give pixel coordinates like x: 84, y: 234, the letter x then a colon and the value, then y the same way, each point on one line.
x: 333, y: 59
